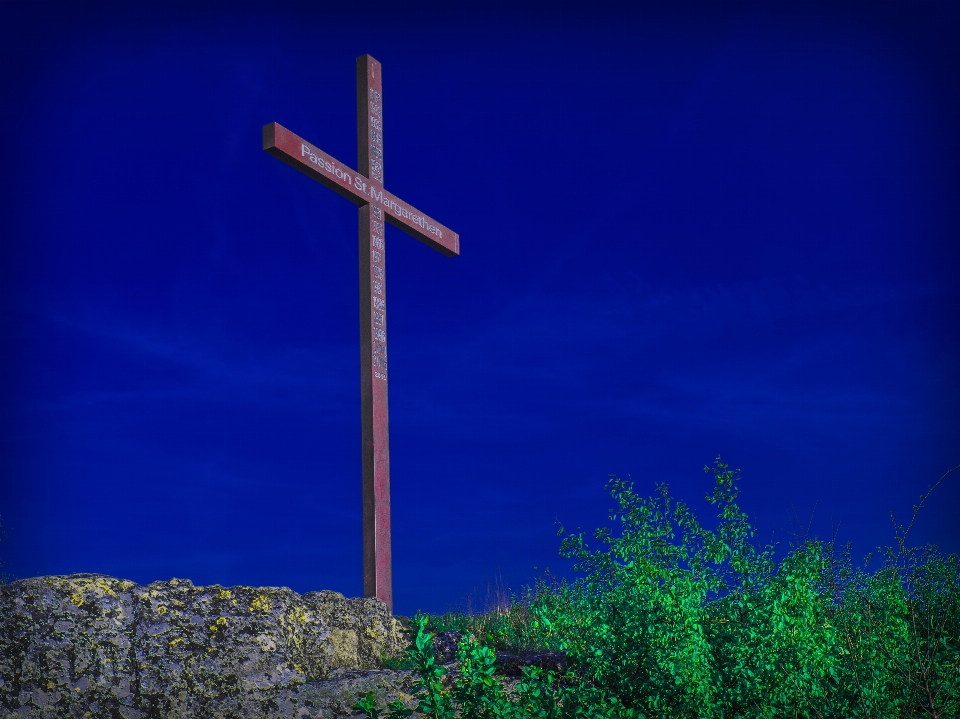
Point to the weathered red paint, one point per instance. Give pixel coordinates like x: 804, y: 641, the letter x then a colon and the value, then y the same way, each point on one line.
x: 364, y: 187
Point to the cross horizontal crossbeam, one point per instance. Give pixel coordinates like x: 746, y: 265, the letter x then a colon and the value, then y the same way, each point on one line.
x: 314, y: 162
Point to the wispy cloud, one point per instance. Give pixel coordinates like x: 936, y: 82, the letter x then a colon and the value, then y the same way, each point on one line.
x: 214, y: 369
x: 742, y: 355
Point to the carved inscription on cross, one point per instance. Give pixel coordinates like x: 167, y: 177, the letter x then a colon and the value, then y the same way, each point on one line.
x: 364, y: 187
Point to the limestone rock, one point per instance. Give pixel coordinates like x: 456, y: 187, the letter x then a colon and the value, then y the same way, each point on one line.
x: 90, y: 645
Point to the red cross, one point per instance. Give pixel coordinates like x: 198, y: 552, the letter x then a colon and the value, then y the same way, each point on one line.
x: 364, y: 187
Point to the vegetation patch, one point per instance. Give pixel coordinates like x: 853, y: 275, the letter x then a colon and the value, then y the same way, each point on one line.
x: 673, y: 620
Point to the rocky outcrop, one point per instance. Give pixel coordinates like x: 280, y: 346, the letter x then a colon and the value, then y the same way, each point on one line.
x: 445, y: 646
x: 89, y: 645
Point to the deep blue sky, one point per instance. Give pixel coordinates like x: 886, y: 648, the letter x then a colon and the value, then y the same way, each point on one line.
x: 686, y: 230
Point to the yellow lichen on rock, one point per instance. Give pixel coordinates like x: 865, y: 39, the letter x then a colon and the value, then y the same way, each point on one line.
x: 297, y: 614
x: 278, y: 640
x: 104, y: 586
x: 292, y: 625
x: 261, y: 603
x: 345, y: 647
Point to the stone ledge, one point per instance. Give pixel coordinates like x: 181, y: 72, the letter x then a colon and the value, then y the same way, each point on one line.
x: 90, y: 645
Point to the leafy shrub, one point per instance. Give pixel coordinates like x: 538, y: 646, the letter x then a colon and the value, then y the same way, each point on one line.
x: 674, y: 620
x: 479, y: 694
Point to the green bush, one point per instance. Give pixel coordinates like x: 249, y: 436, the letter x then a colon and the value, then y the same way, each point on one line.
x: 675, y: 620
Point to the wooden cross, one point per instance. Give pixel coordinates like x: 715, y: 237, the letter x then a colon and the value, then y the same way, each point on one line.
x: 364, y: 187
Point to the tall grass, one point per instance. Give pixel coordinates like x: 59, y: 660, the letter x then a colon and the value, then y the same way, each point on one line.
x: 671, y: 620
x: 506, y: 623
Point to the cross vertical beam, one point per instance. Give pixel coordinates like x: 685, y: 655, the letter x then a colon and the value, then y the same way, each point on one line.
x: 374, y: 414
x: 376, y: 207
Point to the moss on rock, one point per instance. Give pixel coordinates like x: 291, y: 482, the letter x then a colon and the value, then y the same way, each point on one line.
x: 89, y: 645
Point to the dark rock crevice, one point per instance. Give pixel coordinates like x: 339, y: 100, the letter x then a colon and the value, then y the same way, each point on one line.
x: 510, y: 664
